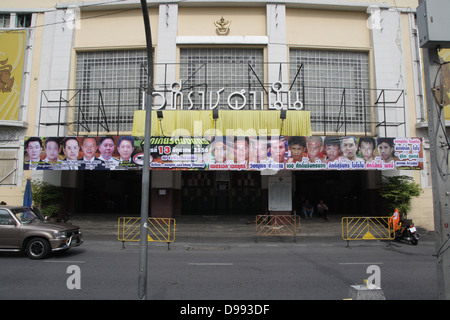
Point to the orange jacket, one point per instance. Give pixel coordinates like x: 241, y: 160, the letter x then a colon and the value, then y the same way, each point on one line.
x: 395, y: 219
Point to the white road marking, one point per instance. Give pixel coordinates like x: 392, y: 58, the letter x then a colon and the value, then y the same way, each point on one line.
x: 370, y: 263
x: 210, y: 264
x: 64, y: 261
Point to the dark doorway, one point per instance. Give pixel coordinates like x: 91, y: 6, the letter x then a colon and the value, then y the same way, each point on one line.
x: 221, y: 193
x: 342, y: 191
x: 109, y: 192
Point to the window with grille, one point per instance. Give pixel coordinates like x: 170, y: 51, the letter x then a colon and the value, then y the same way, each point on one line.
x: 210, y: 70
x: 20, y: 20
x: 4, y: 20
x: 109, y: 81
x: 335, y: 89
x: 8, y: 167
x: 24, y: 20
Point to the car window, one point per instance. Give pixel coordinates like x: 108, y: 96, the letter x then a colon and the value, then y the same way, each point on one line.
x: 25, y: 215
x: 5, y: 217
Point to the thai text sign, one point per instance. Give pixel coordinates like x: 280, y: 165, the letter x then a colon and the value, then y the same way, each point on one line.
x: 278, y: 99
x: 224, y: 153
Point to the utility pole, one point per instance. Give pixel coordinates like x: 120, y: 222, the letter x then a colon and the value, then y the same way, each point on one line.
x: 142, y: 281
x: 440, y: 173
x: 431, y: 23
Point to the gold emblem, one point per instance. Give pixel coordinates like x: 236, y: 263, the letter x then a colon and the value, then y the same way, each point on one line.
x: 222, y: 27
x: 6, y: 82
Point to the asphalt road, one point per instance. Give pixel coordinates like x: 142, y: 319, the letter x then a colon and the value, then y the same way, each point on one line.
x: 312, y: 268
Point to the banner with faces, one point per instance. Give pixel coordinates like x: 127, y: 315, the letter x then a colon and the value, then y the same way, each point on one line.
x: 224, y: 153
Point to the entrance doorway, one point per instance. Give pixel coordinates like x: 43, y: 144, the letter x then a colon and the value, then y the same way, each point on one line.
x: 221, y: 193
x: 343, y: 191
x: 108, y: 192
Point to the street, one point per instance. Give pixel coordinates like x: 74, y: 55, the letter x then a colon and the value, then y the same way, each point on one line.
x: 311, y: 268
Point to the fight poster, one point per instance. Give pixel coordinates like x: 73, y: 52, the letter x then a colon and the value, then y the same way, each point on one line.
x: 224, y: 153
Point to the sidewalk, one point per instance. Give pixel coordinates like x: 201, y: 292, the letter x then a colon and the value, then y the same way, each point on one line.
x: 209, y: 227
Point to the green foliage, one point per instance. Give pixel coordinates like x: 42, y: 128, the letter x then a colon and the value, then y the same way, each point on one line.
x: 46, y: 197
x: 398, y: 192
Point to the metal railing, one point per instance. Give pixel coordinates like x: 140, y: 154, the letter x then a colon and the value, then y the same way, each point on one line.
x: 366, y: 228
x: 277, y: 225
x: 158, y: 229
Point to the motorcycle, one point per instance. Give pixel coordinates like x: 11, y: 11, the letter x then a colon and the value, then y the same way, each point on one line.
x: 406, y: 231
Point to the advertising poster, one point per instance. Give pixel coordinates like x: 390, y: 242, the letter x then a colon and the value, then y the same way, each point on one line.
x: 224, y: 153
x: 12, y: 44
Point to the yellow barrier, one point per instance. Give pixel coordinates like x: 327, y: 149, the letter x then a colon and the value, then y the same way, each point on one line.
x: 158, y: 229
x: 277, y: 225
x: 366, y: 228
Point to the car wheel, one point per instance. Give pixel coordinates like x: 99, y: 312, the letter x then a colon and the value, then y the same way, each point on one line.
x: 38, y: 248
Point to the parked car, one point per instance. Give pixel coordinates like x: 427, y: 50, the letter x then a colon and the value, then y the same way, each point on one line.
x: 25, y: 229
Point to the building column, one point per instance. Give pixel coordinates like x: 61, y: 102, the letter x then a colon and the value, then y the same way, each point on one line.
x: 167, y: 47
x: 54, y: 70
x: 389, y: 70
x: 277, y: 47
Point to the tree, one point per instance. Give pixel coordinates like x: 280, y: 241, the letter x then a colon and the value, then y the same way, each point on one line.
x: 398, y: 192
x: 46, y: 197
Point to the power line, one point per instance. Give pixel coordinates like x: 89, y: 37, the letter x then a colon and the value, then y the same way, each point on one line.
x: 85, y: 18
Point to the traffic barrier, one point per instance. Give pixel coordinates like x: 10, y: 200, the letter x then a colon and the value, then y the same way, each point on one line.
x: 366, y: 228
x: 277, y: 225
x: 158, y: 229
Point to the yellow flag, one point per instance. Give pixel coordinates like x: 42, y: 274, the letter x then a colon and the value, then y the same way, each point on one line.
x: 12, y: 50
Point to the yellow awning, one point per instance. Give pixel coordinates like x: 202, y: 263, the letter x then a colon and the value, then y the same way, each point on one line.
x: 230, y: 122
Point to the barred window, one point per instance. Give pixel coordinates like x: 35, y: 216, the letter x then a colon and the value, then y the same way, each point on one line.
x: 212, y: 69
x: 110, y: 80
x: 24, y: 20
x: 8, y: 167
x: 4, y: 20
x: 336, y: 87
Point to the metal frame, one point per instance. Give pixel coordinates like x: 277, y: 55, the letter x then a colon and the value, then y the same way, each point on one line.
x: 373, y: 115
x: 74, y: 99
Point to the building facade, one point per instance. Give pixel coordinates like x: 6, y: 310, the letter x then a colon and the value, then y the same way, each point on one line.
x: 354, y: 67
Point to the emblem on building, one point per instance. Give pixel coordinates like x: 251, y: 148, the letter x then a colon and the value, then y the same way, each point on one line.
x: 222, y: 27
x: 6, y: 82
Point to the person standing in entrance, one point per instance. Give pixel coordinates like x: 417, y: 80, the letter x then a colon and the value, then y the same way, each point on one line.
x: 322, y: 210
x: 307, y: 209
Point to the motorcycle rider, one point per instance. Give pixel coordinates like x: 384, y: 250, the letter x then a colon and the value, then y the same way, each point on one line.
x: 403, y: 230
x: 394, y: 220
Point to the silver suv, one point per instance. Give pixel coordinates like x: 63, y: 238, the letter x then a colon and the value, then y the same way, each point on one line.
x: 25, y: 229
